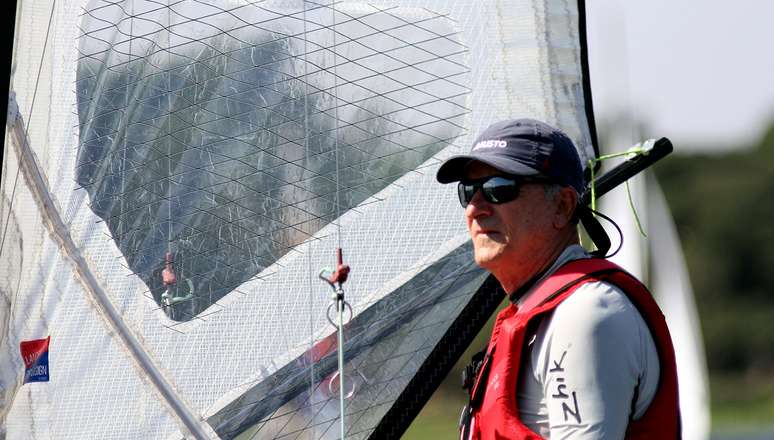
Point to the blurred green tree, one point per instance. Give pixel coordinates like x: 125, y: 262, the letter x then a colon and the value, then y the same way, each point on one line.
x: 723, y: 205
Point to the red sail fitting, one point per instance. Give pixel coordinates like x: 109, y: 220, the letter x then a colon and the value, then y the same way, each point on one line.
x: 342, y: 270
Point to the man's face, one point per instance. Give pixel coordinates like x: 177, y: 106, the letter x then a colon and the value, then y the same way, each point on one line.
x: 508, y: 236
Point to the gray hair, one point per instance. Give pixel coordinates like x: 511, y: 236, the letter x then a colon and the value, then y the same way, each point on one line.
x: 551, y: 190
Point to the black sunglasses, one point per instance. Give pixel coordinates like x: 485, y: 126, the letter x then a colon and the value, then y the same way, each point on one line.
x: 494, y: 189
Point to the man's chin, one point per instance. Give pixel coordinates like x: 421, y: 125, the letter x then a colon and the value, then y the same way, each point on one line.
x: 487, y: 258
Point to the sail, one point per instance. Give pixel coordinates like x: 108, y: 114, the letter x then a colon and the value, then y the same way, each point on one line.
x: 177, y: 173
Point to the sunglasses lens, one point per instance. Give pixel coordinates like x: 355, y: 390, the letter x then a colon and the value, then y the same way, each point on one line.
x: 465, y: 193
x: 500, y: 190
x: 494, y: 189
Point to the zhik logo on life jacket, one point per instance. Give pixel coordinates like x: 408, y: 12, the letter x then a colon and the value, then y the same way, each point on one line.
x: 35, y: 355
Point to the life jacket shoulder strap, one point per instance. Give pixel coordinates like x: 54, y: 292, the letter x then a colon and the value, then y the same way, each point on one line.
x: 563, y: 281
x: 565, y: 278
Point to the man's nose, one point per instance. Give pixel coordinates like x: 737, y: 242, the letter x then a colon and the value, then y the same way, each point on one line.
x: 478, y: 206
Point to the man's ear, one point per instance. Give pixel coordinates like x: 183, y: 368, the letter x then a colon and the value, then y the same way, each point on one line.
x: 566, y: 202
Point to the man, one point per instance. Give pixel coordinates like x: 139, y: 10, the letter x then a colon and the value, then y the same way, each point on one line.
x: 171, y: 296
x: 583, y: 351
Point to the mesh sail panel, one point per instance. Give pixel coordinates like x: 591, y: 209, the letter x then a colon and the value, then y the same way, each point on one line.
x: 177, y: 174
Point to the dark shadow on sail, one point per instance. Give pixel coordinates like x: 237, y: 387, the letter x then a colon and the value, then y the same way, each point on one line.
x: 226, y: 143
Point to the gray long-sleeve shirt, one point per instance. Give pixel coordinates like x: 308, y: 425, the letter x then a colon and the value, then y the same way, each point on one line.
x: 590, y: 366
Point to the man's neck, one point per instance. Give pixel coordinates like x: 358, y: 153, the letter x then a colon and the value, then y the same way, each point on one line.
x: 513, y: 279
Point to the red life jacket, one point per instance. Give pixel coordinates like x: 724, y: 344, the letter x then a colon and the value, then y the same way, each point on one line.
x: 494, y: 409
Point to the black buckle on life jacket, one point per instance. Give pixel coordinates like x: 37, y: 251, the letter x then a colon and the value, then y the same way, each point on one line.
x: 469, y: 375
x: 470, y: 372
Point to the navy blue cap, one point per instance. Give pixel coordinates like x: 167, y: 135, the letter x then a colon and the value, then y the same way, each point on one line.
x: 521, y: 147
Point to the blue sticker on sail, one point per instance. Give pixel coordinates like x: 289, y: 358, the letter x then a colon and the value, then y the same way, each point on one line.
x: 35, y: 355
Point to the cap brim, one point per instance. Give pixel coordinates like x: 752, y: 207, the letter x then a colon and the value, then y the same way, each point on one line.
x: 452, y: 170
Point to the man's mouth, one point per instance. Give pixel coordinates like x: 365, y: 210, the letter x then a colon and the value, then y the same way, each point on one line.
x: 486, y: 232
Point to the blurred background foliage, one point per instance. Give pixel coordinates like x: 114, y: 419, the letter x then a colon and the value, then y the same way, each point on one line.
x: 723, y: 207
